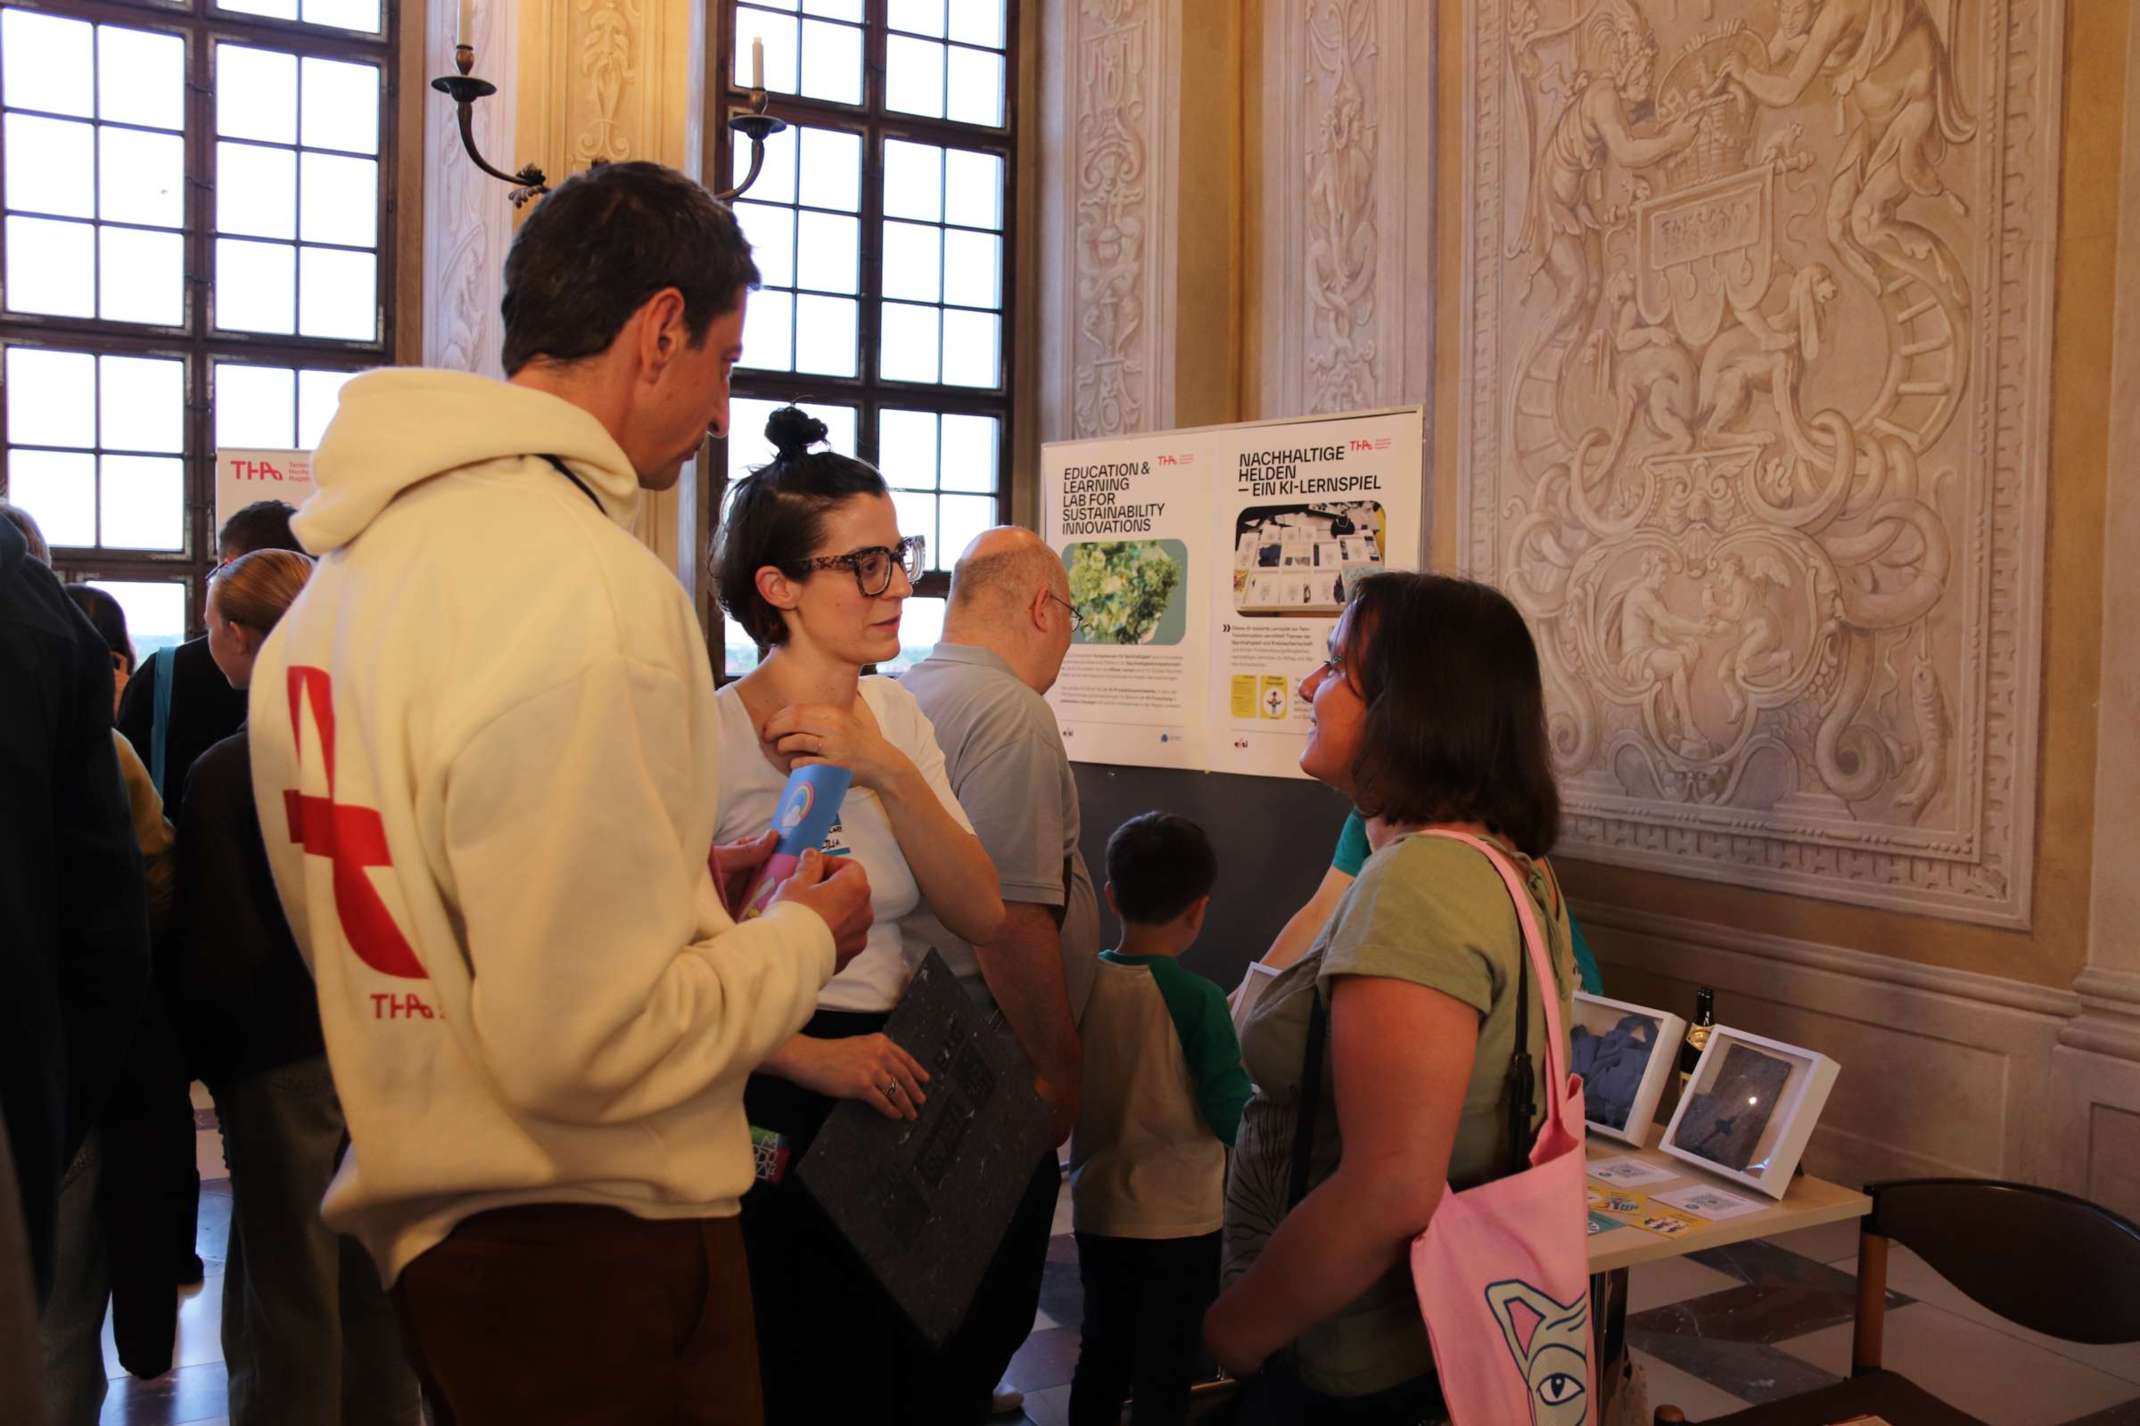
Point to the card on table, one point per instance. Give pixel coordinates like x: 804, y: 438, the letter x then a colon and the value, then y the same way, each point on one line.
x: 1630, y: 1172
x: 1711, y: 1203
x: 1629, y: 1208
x: 1606, y: 1200
x: 1665, y: 1223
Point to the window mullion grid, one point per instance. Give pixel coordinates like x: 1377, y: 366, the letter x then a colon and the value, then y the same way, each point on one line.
x: 869, y: 394
x: 96, y: 216
x: 194, y: 342
x: 943, y: 265
x: 297, y: 210
x: 1007, y: 268
x: 870, y: 328
x: 200, y: 214
x: 292, y: 37
x: 246, y: 29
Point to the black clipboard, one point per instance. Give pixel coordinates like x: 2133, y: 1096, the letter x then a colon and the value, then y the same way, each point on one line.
x: 925, y: 1203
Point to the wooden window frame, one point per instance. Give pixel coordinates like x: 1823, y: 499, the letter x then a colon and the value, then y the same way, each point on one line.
x: 200, y: 25
x: 867, y: 392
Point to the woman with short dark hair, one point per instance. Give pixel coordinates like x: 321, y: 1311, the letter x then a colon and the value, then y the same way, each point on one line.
x: 1429, y: 715
x: 812, y: 564
x: 109, y: 619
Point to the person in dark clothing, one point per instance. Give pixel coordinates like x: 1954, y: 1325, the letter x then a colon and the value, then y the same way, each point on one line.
x: 21, y: 1374
x: 108, y: 617
x: 32, y: 535
x: 75, y: 955
x: 308, y: 1333
x: 176, y: 705
x: 201, y: 707
x: 146, y: 1146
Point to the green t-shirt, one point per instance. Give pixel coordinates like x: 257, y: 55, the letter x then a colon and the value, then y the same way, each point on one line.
x: 1352, y: 853
x: 1433, y: 912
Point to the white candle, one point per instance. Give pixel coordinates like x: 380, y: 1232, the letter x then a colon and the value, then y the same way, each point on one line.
x: 466, y: 34
x: 757, y: 62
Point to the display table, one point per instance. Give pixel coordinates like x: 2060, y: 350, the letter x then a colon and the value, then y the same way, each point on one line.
x: 1810, y: 1203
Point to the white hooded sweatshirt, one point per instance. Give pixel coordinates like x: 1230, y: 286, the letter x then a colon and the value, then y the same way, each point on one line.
x: 484, y: 750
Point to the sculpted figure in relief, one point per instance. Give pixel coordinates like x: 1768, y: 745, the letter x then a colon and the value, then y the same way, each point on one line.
x: 1896, y: 97
x: 1731, y: 443
x: 1567, y: 208
x: 1646, y: 367
x: 1657, y: 645
x: 1763, y: 352
x: 1341, y: 238
x: 1739, y: 600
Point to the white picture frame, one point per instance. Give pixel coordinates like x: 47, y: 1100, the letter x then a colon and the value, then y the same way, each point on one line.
x: 1612, y: 1112
x: 1254, y: 981
x: 1784, y: 1086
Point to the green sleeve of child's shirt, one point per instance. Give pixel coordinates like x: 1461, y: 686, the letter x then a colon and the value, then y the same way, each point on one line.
x: 1586, y: 964
x: 1352, y: 849
x: 1205, y: 1027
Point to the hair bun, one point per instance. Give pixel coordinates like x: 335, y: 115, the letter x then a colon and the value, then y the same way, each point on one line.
x: 793, y: 431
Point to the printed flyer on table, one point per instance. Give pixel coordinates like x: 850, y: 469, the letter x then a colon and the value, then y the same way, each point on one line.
x: 1208, y: 568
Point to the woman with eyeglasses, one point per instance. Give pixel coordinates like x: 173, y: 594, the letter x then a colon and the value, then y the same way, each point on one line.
x: 812, y: 565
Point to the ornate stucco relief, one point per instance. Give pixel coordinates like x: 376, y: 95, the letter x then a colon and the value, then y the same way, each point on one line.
x: 467, y: 218
x: 1347, y: 206
x: 1757, y: 349
x: 1343, y: 239
x: 607, y: 81
x: 1112, y: 228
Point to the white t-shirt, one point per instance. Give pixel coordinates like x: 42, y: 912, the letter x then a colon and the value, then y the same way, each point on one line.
x: 750, y: 791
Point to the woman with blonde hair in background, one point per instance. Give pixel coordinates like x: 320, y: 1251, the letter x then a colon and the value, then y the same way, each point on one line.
x: 309, y: 1337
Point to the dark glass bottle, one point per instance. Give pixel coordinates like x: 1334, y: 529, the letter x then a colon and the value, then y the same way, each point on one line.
x: 1690, y: 1053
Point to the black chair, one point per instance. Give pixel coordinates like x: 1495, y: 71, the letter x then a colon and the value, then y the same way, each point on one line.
x: 2039, y: 1258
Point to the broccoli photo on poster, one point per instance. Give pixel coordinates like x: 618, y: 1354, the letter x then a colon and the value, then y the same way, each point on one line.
x: 1129, y: 591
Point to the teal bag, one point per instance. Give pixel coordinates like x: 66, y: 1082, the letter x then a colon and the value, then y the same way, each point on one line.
x: 165, y: 662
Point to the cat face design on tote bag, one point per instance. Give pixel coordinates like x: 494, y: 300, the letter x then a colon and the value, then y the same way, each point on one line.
x: 1551, y: 1344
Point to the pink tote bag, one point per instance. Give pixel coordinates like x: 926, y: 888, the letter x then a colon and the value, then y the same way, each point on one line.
x: 1503, y: 1271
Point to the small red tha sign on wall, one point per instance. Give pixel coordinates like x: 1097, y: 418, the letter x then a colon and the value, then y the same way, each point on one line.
x: 243, y: 476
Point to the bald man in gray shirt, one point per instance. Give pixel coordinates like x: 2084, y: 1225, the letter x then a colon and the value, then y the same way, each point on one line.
x: 1006, y: 631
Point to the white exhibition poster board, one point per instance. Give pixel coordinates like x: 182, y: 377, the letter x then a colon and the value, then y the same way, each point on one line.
x: 243, y: 476
x: 1210, y: 567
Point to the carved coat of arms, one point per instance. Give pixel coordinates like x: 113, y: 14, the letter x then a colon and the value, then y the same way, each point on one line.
x: 1754, y: 418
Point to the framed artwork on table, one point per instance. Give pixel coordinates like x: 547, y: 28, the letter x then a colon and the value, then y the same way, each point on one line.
x: 1625, y: 1054
x: 1750, y: 1109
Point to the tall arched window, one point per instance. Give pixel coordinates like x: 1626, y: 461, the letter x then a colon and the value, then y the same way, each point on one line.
x: 883, y: 221
x: 195, y: 199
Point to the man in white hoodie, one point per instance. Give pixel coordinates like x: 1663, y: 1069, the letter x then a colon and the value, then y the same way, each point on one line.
x: 484, y: 751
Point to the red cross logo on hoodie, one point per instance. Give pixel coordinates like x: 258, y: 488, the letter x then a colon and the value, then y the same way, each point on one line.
x: 353, y: 838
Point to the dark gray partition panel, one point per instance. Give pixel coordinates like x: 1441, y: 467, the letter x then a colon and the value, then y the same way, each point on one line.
x: 1273, y: 837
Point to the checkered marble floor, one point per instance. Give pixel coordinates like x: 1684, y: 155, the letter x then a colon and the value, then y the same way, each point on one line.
x: 1714, y: 1332
x: 1750, y: 1324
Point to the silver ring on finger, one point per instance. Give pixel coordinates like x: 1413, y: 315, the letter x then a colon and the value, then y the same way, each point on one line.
x: 887, y: 1090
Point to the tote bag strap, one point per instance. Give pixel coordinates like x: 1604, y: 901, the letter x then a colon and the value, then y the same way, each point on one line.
x: 166, y: 661
x: 1535, y: 960
x: 1311, y: 1097
x: 1534, y: 946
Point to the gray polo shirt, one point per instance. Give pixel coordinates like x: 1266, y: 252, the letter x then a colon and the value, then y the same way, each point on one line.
x: 1004, y: 754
